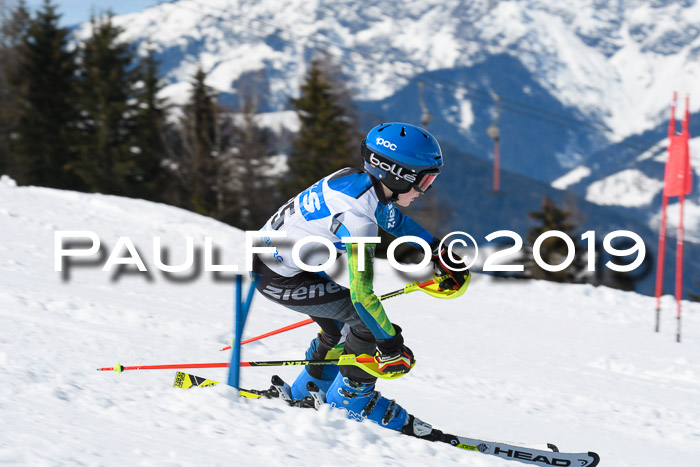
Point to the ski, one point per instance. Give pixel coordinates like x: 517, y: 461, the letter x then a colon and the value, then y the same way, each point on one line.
x: 278, y: 390
x: 524, y: 454
x: 538, y: 457
x: 185, y: 381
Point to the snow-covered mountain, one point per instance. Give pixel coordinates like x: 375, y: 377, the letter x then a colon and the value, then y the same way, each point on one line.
x: 614, y: 61
x: 572, y: 78
x: 520, y: 361
x: 610, y: 64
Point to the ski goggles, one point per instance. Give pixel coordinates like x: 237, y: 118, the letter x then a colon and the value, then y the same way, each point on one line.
x: 425, y: 181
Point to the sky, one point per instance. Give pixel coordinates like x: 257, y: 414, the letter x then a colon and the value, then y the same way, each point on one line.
x: 78, y: 11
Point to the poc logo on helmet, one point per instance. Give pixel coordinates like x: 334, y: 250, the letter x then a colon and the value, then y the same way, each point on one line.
x: 386, y: 144
x: 392, y: 169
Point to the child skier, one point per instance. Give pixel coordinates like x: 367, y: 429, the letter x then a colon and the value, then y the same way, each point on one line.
x: 400, y: 162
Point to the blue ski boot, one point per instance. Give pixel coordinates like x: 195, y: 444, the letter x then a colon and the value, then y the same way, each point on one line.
x: 361, y: 401
x: 322, y: 376
x: 299, y: 390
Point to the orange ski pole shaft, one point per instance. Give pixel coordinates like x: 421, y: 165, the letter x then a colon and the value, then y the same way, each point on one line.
x: 276, y: 331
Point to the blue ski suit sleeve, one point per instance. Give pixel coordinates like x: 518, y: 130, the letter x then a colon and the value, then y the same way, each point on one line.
x: 392, y: 220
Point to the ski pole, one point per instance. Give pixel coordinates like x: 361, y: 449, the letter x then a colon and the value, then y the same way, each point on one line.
x: 366, y: 362
x: 413, y: 286
x: 276, y: 331
x: 179, y: 366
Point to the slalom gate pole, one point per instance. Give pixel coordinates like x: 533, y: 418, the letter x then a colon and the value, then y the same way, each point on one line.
x: 240, y: 315
x: 679, y: 268
x: 234, y: 372
x: 686, y: 189
x: 660, y: 261
x: 299, y: 324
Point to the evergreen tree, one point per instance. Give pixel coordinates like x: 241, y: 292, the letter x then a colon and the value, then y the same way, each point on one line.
x: 149, y: 134
x: 620, y: 280
x: 328, y: 139
x: 14, y: 23
x: 623, y: 280
x: 43, y: 148
x: 109, y: 161
x: 554, y: 250
x: 247, y: 186
x: 199, y: 146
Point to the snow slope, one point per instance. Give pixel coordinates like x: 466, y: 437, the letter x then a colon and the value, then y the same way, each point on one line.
x: 531, y: 362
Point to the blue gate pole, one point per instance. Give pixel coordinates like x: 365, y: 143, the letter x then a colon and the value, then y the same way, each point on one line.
x: 241, y: 314
x: 235, y: 368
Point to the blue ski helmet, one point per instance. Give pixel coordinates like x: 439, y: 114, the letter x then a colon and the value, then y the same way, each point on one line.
x: 402, y: 156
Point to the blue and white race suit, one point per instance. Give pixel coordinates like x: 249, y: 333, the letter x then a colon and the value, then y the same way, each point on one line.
x: 347, y: 203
